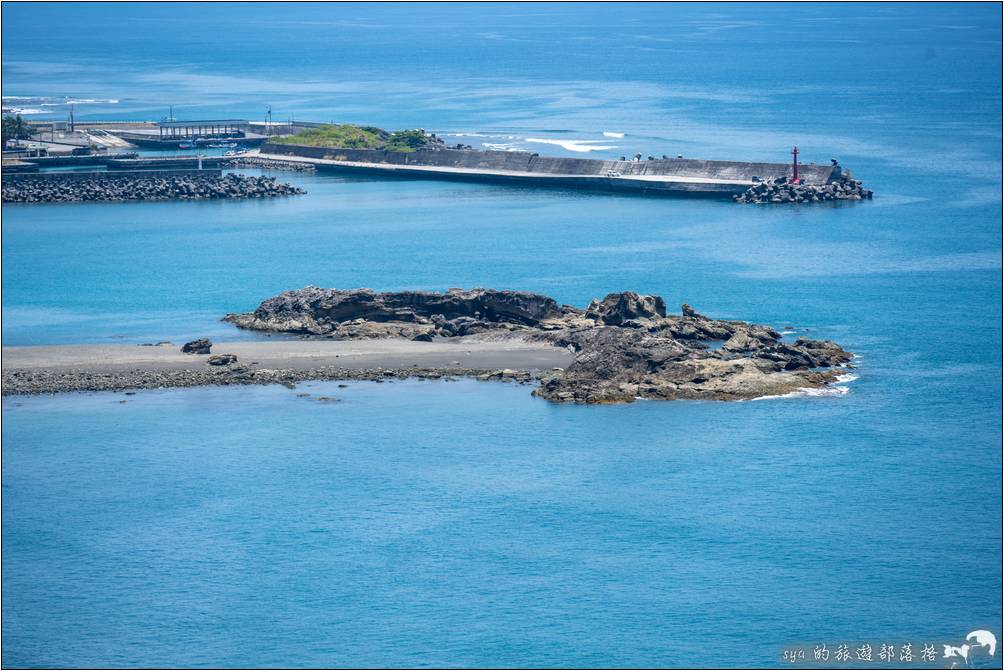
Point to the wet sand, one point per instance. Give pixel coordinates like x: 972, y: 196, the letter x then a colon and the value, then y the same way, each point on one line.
x: 294, y: 354
x: 49, y: 369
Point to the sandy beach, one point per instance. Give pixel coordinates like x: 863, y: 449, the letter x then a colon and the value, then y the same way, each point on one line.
x: 293, y: 354
x: 47, y: 369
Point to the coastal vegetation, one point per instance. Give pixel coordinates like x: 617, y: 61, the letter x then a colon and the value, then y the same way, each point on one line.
x: 15, y: 128
x: 350, y: 136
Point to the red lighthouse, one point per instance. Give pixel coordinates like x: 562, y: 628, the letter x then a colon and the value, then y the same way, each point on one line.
x: 794, y: 165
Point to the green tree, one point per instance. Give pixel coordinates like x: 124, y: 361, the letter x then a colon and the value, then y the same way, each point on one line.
x: 15, y: 127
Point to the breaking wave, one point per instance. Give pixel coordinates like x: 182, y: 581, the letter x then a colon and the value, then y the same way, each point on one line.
x: 501, y: 146
x: 608, y: 133
x: 807, y: 392
x: 22, y: 110
x: 580, y: 146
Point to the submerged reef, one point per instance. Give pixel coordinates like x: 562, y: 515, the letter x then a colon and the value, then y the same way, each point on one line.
x: 624, y: 347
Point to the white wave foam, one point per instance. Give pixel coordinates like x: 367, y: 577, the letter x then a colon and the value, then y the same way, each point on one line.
x: 805, y: 392
x: 86, y: 101
x: 469, y: 135
x: 580, y: 146
x: 22, y: 110
x: 787, y: 332
x: 501, y: 146
x: 608, y: 133
x: 815, y: 392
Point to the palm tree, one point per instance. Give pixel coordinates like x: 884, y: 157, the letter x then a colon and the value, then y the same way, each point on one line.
x: 15, y: 127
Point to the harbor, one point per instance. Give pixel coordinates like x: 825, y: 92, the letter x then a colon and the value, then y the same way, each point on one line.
x: 225, y: 143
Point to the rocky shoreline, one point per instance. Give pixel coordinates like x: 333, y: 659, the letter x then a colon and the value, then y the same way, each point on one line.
x: 271, y: 164
x: 625, y: 346
x: 616, y: 350
x: 35, y: 382
x: 113, y: 187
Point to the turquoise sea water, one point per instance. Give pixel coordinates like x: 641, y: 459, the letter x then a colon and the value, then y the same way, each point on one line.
x: 468, y: 524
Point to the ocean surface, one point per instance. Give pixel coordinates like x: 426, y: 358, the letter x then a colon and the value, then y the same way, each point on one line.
x: 469, y: 524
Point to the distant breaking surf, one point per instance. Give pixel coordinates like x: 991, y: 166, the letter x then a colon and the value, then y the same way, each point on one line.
x: 580, y: 146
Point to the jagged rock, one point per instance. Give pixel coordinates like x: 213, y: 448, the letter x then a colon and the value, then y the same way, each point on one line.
x: 200, y: 346
x: 318, y: 311
x: 222, y: 360
x: 624, y: 347
x: 617, y: 308
x: 741, y: 342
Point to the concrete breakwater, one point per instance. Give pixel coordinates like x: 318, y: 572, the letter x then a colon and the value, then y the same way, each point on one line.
x: 145, y: 185
x: 664, y: 176
x: 782, y: 191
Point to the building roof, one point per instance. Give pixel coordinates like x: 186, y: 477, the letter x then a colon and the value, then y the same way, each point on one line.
x: 202, y: 122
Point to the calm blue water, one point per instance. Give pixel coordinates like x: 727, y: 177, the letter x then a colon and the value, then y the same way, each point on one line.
x: 466, y: 523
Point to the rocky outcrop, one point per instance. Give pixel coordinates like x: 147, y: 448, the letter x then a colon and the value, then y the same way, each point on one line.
x: 619, y: 365
x: 616, y: 309
x: 49, y: 188
x: 200, y: 346
x: 780, y: 190
x: 363, y: 313
x: 222, y: 360
x: 625, y: 346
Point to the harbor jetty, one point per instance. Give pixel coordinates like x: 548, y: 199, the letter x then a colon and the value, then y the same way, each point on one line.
x: 139, y: 185
x: 653, y: 176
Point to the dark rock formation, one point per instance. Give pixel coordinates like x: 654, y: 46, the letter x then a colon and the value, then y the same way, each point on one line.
x: 54, y: 381
x: 625, y: 346
x: 616, y: 309
x: 782, y: 191
x: 200, y: 346
x: 356, y: 313
x: 49, y: 188
x: 222, y: 360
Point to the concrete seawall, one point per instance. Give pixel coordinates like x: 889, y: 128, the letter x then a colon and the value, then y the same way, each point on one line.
x: 72, y: 161
x: 692, y: 177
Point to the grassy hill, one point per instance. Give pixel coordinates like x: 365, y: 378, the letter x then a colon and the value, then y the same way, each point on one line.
x: 349, y: 136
